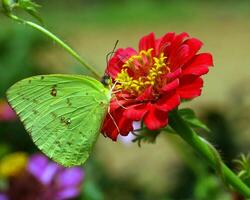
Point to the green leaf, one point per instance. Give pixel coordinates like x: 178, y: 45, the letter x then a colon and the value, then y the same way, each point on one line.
x: 62, y: 113
x: 189, y: 116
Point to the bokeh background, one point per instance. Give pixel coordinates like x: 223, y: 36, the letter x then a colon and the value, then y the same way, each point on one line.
x: 168, y: 169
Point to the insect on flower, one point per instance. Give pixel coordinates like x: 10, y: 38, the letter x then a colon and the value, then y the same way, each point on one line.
x: 151, y: 82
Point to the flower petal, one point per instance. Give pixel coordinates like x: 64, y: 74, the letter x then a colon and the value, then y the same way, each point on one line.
x: 3, y: 197
x: 177, y: 41
x: 170, y: 86
x: 116, y: 62
x: 190, y: 87
x: 70, y: 177
x: 115, y: 124
x: 147, y: 42
x: 136, y: 112
x: 168, y: 102
x: 67, y: 193
x: 198, y: 65
x: 164, y: 43
x: 155, y: 119
x: 37, y: 165
x: 194, y: 46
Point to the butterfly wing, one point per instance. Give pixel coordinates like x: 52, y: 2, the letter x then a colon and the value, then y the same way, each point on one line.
x: 62, y: 113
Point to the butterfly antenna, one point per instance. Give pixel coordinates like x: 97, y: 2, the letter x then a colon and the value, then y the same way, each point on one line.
x: 110, y: 54
x: 113, y: 119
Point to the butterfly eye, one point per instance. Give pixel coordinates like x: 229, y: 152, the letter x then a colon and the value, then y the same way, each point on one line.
x: 106, y: 80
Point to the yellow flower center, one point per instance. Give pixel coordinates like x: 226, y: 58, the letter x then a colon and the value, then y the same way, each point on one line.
x: 13, y: 164
x: 141, y: 71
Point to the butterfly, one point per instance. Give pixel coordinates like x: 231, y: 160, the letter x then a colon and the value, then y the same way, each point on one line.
x: 62, y: 113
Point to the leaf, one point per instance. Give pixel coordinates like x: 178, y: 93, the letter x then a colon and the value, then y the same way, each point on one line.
x: 62, y: 113
x: 31, y: 8
x: 189, y: 116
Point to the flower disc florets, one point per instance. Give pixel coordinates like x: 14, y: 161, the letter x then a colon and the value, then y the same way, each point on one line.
x: 153, y: 81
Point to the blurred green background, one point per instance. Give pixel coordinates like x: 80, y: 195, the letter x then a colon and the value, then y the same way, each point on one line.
x: 168, y: 169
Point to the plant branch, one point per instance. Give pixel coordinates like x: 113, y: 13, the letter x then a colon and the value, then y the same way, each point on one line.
x: 208, y: 152
x: 59, y: 42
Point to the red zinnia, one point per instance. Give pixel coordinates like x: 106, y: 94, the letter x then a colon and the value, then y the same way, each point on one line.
x: 153, y: 81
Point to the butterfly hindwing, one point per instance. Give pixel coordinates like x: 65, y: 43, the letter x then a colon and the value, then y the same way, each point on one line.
x: 62, y: 113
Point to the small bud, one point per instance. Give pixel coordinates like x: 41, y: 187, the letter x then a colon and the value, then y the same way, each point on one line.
x: 8, y: 5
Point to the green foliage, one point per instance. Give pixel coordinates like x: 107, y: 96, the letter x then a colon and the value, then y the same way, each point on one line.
x: 62, y: 113
x: 145, y: 135
x: 243, y: 163
x: 27, y: 5
x: 189, y: 116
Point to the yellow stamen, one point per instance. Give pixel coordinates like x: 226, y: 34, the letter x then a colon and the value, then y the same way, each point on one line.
x: 156, y: 66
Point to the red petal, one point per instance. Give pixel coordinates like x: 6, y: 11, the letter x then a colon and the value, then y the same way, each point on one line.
x: 126, y: 54
x: 190, y: 87
x: 136, y: 112
x: 170, y: 86
x: 147, y: 94
x: 115, y: 123
x: 147, y: 42
x: 178, y: 40
x: 117, y: 61
x: 155, y: 118
x: 194, y: 46
x: 198, y: 65
x: 177, y: 59
x: 164, y: 43
x: 168, y: 102
x: 174, y: 74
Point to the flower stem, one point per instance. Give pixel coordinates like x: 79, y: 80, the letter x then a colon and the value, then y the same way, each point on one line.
x: 207, y: 151
x: 59, y: 42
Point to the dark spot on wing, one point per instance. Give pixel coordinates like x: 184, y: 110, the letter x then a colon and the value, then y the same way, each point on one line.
x: 87, y: 93
x: 29, y: 81
x: 65, y: 121
x: 26, y: 98
x: 42, y: 77
x: 54, y: 115
x: 68, y: 121
x: 35, y: 101
x: 35, y: 112
x: 53, y: 91
x: 62, y: 119
x: 68, y: 102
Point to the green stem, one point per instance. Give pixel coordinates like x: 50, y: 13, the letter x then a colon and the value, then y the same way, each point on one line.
x: 207, y: 151
x: 58, y: 41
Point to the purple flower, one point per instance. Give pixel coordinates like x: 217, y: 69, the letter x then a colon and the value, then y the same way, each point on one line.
x: 6, y: 113
x: 3, y: 197
x: 43, y: 179
x: 60, y: 183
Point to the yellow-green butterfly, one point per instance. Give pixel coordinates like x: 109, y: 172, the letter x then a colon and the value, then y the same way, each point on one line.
x: 62, y: 113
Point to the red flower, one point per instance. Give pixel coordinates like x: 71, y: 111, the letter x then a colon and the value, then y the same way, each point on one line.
x: 153, y: 81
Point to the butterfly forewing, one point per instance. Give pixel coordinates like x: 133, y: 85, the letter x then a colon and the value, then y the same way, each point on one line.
x: 62, y: 113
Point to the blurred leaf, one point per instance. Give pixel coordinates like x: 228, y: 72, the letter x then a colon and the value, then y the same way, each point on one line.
x: 31, y: 8
x: 243, y: 163
x: 8, y: 5
x: 145, y: 135
x: 4, y: 149
x: 91, y: 191
x: 189, y: 116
